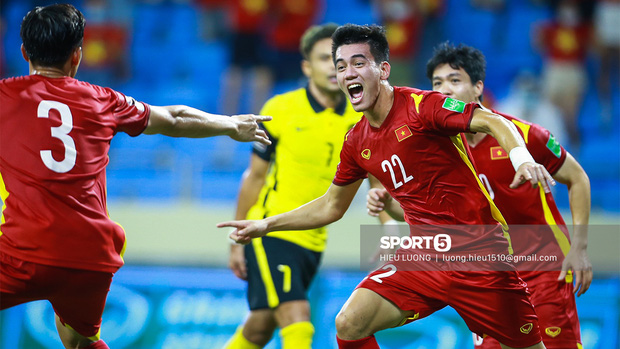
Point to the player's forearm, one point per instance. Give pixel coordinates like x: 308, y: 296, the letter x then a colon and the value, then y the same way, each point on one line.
x: 579, y: 200
x: 251, y: 186
x: 315, y: 214
x: 184, y: 121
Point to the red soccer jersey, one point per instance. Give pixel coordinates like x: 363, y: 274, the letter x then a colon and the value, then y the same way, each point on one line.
x: 54, y: 140
x: 418, y: 156
x: 525, y: 205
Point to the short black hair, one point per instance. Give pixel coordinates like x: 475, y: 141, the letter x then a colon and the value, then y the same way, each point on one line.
x: 462, y: 56
x: 373, y: 35
x: 51, y: 33
x: 313, y: 35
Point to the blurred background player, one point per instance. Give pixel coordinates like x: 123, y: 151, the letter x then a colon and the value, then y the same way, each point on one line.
x: 56, y: 240
x: 307, y: 132
x: 564, y: 42
x: 249, y: 73
x: 459, y: 72
x: 410, y: 140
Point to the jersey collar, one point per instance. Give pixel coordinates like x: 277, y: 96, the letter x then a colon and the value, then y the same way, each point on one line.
x: 340, y: 108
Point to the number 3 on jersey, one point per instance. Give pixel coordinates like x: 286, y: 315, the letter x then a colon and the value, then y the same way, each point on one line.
x: 60, y: 132
x: 386, y: 165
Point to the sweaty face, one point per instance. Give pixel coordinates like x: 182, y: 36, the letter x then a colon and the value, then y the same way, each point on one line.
x: 322, y: 71
x: 358, y: 75
x: 455, y: 83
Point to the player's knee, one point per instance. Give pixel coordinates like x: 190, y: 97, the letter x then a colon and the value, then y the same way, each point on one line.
x: 260, y: 336
x: 347, y: 328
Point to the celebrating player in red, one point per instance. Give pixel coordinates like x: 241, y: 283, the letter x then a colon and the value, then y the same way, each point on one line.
x: 56, y: 239
x: 459, y: 72
x: 410, y: 140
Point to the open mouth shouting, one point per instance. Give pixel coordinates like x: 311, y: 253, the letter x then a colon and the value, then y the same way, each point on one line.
x: 356, y: 92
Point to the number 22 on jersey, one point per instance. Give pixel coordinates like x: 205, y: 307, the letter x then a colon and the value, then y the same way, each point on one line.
x: 60, y: 132
x: 387, y: 166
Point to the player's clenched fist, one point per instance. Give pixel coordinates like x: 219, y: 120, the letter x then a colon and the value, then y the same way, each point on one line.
x: 376, y: 199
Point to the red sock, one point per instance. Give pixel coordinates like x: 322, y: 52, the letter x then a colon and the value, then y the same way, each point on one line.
x: 100, y: 344
x: 365, y: 343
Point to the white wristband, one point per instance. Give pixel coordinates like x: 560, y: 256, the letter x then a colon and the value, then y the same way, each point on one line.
x: 520, y: 155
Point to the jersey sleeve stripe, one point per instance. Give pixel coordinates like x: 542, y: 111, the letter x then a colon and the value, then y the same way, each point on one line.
x: 4, y: 194
x: 525, y: 128
x: 557, y: 232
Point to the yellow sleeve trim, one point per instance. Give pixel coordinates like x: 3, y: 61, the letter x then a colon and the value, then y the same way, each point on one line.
x: 557, y: 232
x: 525, y: 128
x: 4, y: 194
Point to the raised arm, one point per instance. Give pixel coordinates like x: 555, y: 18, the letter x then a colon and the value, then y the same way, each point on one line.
x: 317, y: 213
x: 184, y: 121
x: 509, y: 138
x: 578, y: 183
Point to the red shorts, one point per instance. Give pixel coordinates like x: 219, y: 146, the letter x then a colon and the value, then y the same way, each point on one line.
x: 555, y: 306
x: 78, y: 296
x: 495, y: 303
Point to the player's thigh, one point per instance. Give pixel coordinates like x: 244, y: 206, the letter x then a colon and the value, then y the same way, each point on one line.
x: 278, y: 272
x: 80, y: 299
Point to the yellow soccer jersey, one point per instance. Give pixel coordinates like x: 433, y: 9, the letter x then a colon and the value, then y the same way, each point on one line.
x: 307, y: 140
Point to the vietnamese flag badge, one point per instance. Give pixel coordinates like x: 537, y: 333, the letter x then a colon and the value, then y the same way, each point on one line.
x: 498, y: 153
x: 403, y: 133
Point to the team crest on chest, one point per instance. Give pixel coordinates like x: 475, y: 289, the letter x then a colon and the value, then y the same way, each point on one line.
x: 498, y: 153
x: 403, y: 133
x: 366, y: 154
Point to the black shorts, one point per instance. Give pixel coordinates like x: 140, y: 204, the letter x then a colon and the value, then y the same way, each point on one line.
x: 278, y: 271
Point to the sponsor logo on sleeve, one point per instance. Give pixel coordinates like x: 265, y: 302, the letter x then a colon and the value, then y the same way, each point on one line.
x: 554, y: 146
x: 454, y: 105
x: 403, y: 133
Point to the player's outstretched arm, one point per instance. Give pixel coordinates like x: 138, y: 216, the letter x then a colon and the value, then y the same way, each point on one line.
x: 317, y: 213
x: 184, y: 121
x: 578, y: 183
x: 506, y: 134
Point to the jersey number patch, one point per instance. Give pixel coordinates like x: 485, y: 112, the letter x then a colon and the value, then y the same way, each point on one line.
x: 60, y: 132
x: 387, y: 166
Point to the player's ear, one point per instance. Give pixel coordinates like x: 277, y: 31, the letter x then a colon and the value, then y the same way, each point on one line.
x: 76, y: 56
x: 385, y: 70
x: 305, y: 68
x: 24, y: 54
x: 479, y: 88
